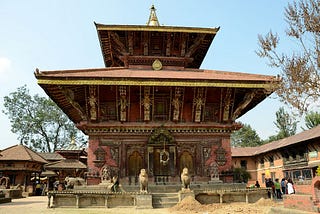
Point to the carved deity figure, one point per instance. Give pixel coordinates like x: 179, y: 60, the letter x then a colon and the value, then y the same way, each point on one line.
x: 92, y: 104
x: 105, y: 174
x: 176, y: 108
x: 146, y: 103
x: 123, y: 108
x: 198, y: 102
x: 214, y: 171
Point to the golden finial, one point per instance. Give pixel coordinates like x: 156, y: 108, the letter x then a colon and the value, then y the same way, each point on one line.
x: 153, y: 20
x: 73, y: 141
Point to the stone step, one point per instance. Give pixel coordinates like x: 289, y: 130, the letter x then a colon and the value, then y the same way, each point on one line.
x: 164, y: 205
x: 164, y: 200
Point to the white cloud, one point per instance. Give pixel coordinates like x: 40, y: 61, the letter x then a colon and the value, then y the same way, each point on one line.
x: 5, y: 64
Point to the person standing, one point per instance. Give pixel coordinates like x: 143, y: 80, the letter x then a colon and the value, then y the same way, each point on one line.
x: 290, y: 186
x: 277, y: 187
x: 284, y: 186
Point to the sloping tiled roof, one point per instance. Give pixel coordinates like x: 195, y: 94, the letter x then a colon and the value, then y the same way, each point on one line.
x: 186, y: 74
x: 302, y: 136
x: 243, y: 151
x: 65, y: 164
x: 21, y: 153
x: 51, y: 156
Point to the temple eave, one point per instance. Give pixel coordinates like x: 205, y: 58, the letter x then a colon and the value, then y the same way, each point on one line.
x: 128, y: 82
x: 171, y: 127
x: 171, y: 29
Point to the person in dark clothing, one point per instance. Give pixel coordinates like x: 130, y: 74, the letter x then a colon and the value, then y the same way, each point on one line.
x: 283, y: 186
x: 257, y: 185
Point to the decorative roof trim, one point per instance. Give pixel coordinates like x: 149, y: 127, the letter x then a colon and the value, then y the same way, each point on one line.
x: 155, y: 83
x: 170, y: 29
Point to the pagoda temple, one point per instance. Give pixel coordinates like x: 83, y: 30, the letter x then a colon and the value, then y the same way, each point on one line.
x: 152, y: 106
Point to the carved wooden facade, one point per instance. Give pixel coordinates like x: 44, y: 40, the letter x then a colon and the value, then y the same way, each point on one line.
x: 152, y: 107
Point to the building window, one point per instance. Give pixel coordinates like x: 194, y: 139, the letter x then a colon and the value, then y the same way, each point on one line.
x: 271, y: 160
x: 263, y: 178
x: 262, y: 163
x: 273, y: 176
x: 307, y: 174
x: 243, y: 164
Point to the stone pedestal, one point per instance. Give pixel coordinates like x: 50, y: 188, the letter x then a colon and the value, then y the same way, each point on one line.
x: 185, y: 193
x: 144, y: 201
x: 3, y: 199
x: 215, y: 181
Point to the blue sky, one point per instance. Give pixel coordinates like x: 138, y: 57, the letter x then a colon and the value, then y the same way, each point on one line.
x: 59, y: 34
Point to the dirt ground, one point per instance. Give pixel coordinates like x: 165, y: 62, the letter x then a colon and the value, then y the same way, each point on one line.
x: 187, y: 206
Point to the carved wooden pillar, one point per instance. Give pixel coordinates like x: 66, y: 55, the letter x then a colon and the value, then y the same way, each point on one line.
x: 150, y: 161
x: 198, y: 103
x: 146, y: 103
x: 177, y: 103
x: 123, y: 103
x: 92, y: 101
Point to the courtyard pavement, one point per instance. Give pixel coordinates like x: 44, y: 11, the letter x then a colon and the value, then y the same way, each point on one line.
x: 38, y: 204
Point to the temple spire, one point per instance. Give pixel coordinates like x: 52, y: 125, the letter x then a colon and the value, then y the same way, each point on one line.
x: 153, y: 20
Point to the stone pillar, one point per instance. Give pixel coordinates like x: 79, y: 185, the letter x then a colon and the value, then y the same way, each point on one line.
x: 77, y: 201
x: 221, y: 198
x: 106, y: 201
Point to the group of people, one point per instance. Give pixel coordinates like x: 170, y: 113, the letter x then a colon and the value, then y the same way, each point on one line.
x: 41, y: 188
x: 285, y: 186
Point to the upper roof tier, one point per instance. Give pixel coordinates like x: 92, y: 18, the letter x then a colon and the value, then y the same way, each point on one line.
x: 141, y: 45
x: 131, y: 45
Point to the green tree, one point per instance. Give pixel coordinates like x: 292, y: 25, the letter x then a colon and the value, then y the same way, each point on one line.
x: 39, y: 122
x: 312, y: 119
x: 286, y: 124
x: 245, y: 137
x: 299, y: 67
x: 241, y: 175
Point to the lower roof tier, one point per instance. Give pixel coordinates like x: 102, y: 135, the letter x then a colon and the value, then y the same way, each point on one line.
x: 133, y: 95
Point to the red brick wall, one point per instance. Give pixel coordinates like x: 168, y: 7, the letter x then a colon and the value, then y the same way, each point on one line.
x: 303, y: 188
x: 298, y: 201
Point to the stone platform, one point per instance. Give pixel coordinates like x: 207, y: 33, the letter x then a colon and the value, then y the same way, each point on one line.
x: 4, y: 199
x: 158, y: 196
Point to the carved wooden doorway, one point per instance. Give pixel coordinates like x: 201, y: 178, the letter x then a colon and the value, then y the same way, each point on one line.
x: 161, y: 162
x: 134, y: 164
x: 186, y: 160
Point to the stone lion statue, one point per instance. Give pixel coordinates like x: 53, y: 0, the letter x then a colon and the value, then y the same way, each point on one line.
x: 70, y: 182
x: 185, y: 179
x: 143, y: 180
x: 5, y: 182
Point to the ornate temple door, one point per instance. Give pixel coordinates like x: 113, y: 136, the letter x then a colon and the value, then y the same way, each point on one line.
x: 161, y: 162
x: 135, y: 164
x: 186, y: 160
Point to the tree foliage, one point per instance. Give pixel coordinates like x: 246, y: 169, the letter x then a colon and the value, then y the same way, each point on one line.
x: 39, y: 122
x: 286, y: 125
x: 245, y: 137
x: 241, y: 175
x: 312, y: 119
x: 300, y: 85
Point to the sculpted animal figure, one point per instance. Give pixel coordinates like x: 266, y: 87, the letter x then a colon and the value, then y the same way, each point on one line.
x: 5, y: 182
x: 185, y: 179
x: 74, y: 181
x: 143, y: 180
